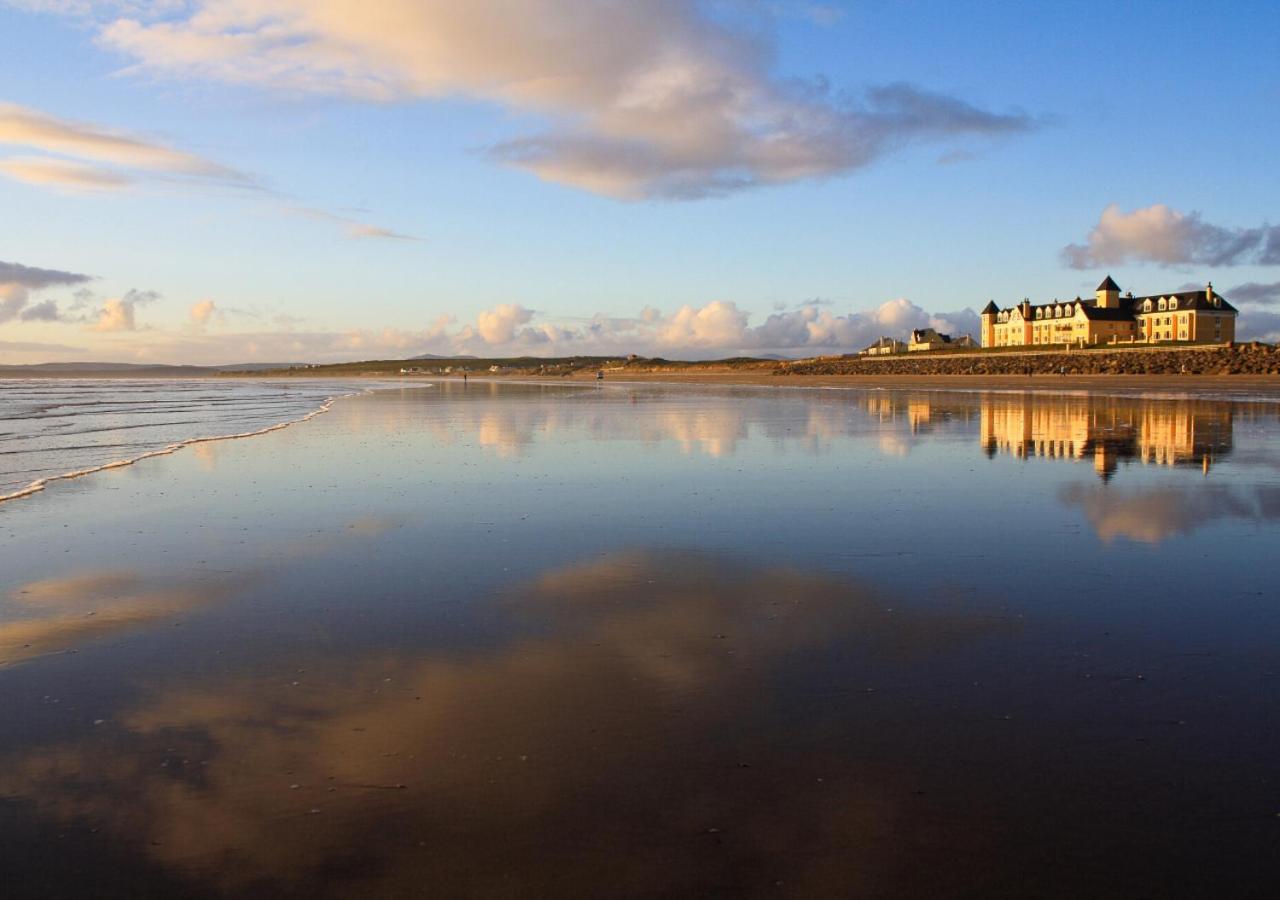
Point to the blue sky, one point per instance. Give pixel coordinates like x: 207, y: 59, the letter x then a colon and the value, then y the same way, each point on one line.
x: 281, y: 180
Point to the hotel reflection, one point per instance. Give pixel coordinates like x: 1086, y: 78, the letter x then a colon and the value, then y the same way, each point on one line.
x: 1107, y: 430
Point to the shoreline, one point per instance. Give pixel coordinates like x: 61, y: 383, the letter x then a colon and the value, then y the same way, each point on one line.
x: 1261, y: 387
x: 40, y: 484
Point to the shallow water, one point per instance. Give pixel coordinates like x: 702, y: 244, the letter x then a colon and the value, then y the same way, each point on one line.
x: 51, y: 428
x: 510, y: 640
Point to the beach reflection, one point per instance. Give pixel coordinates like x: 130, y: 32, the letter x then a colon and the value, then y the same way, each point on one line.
x: 57, y: 614
x: 438, y: 640
x: 1154, y: 515
x: 1108, y: 430
x: 628, y: 732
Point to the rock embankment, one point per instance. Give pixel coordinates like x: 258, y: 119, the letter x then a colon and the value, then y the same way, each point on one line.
x: 1242, y: 359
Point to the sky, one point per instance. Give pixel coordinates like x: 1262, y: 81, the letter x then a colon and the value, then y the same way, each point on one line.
x: 227, y: 181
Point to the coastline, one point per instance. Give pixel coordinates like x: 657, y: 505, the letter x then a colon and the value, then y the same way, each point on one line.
x: 1266, y: 387
x: 40, y: 484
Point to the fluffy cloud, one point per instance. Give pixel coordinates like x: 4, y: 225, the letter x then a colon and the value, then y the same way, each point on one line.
x: 658, y: 99
x: 18, y: 281
x: 119, y: 313
x: 498, y: 325
x: 719, y: 328
x: 203, y: 312
x: 716, y: 330
x: 1166, y: 236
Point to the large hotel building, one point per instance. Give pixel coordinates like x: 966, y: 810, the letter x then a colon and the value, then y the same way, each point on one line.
x: 1108, y: 318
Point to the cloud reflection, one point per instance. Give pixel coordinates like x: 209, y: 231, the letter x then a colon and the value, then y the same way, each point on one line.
x: 56, y: 614
x: 588, y: 748
x: 1155, y: 515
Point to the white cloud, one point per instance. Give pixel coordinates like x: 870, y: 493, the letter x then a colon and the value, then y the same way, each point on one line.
x: 498, y: 325
x: 1168, y: 237
x: 718, y: 324
x: 116, y: 315
x: 716, y: 329
x: 651, y: 99
x: 203, y: 312
x: 120, y: 313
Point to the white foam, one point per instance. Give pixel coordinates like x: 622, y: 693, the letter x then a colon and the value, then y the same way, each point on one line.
x: 40, y: 484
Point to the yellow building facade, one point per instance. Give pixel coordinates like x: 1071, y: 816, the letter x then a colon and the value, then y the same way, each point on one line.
x: 1109, y: 318
x: 1106, y: 431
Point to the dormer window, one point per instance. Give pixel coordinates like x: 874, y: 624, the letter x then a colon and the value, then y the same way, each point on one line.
x: 1173, y: 302
x: 1162, y: 303
x: 1146, y: 306
x: 1039, y: 313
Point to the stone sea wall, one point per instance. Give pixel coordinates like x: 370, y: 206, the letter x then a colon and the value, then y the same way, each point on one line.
x: 1241, y: 359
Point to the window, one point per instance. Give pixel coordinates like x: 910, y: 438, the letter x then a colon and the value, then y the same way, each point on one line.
x: 1173, y: 302
x: 1162, y: 305
x: 1146, y: 306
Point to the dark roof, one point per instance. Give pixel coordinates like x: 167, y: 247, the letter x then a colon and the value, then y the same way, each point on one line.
x: 921, y: 335
x: 1111, y: 314
x: 1108, y: 285
x: 1129, y: 306
x: 1187, y: 300
x: 990, y: 308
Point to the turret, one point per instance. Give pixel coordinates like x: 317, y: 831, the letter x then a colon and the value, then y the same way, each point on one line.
x: 988, y: 316
x: 1108, y: 294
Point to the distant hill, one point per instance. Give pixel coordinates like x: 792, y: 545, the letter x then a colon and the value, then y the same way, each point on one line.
x: 68, y: 369
x: 438, y: 356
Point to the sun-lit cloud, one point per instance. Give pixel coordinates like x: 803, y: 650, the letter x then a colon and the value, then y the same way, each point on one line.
x: 35, y: 130
x: 498, y: 325
x: 1169, y: 237
x: 203, y: 312
x: 107, y: 159
x: 119, y: 313
x: 716, y: 329
x: 639, y: 100
x: 62, y: 173
x: 354, y: 228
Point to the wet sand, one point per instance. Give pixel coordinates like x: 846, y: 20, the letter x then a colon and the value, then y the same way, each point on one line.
x: 539, y: 640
